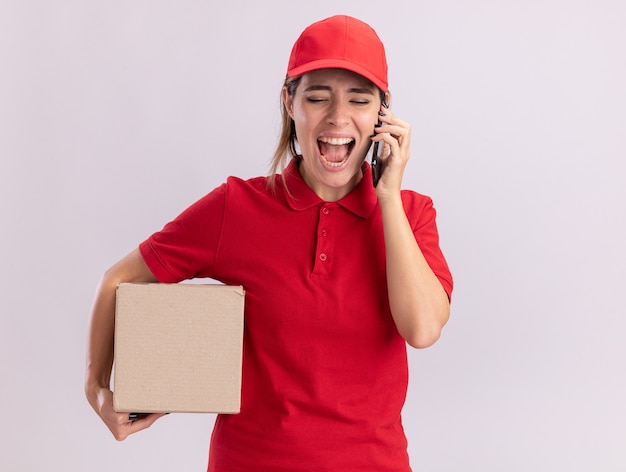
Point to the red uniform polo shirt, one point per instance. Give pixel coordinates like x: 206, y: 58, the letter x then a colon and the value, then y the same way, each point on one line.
x: 324, y: 369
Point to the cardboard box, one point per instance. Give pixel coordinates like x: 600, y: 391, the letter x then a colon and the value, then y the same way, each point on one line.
x: 178, y: 348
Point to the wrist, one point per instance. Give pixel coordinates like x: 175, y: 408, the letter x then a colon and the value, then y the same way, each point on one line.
x: 94, y: 390
x: 388, y: 200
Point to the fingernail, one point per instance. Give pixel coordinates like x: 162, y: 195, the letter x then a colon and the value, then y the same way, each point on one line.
x: 381, y: 113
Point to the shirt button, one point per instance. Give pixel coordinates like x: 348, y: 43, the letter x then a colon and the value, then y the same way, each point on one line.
x: 323, y: 257
x: 325, y: 210
x: 324, y: 233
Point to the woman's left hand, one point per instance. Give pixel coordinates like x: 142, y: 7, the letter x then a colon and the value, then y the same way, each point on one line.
x: 395, y: 135
x: 419, y: 305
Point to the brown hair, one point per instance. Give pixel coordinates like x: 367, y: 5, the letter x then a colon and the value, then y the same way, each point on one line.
x: 286, y: 147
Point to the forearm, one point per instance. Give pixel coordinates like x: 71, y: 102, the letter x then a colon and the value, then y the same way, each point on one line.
x: 102, y: 326
x: 131, y: 268
x: 418, y: 302
x: 100, y: 340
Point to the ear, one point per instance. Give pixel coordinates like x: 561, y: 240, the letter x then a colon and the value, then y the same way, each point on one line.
x: 287, y: 102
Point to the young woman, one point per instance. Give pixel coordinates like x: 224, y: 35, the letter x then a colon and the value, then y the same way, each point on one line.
x: 339, y: 274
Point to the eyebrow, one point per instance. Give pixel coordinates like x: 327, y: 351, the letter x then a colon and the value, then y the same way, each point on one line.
x: 314, y: 87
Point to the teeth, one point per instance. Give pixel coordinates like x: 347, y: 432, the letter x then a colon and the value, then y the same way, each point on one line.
x: 336, y: 141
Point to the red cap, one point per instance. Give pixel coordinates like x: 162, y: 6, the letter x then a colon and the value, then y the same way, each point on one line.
x: 340, y: 42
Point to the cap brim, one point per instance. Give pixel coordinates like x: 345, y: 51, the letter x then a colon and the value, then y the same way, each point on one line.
x: 338, y: 64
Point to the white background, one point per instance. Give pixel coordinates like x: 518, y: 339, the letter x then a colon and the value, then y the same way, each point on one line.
x: 115, y: 116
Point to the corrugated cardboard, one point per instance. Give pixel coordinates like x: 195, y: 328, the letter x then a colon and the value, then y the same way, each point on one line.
x: 178, y: 348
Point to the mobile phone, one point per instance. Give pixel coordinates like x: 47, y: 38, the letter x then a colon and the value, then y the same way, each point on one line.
x: 377, y: 164
x: 377, y: 161
x: 136, y: 416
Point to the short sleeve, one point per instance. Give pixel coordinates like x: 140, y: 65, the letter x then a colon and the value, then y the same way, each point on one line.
x: 187, y: 246
x: 422, y: 218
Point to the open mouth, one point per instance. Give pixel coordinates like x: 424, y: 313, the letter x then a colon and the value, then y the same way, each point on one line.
x: 335, y: 151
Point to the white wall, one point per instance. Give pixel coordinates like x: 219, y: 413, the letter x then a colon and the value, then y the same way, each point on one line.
x: 114, y: 116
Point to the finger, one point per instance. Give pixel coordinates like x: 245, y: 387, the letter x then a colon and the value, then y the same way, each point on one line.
x: 400, y: 133
x: 387, y: 116
x: 148, y: 420
x: 386, y: 150
x: 394, y: 143
x: 128, y: 427
x: 393, y: 125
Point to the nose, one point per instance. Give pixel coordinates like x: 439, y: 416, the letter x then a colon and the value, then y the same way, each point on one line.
x: 338, y: 113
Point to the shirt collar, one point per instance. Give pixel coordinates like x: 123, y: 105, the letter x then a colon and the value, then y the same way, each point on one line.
x: 361, y: 200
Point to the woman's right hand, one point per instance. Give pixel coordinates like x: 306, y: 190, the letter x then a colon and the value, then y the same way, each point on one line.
x: 118, y: 423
